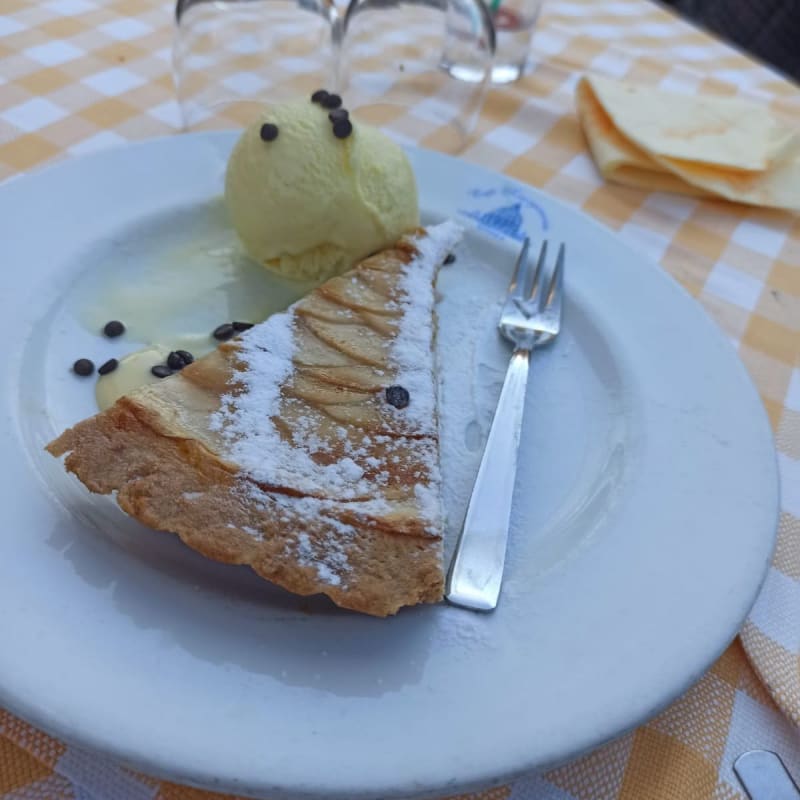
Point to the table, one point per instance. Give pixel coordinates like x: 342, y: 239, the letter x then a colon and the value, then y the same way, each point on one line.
x: 80, y: 75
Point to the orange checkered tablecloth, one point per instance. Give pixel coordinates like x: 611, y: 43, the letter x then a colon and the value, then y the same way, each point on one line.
x: 79, y: 75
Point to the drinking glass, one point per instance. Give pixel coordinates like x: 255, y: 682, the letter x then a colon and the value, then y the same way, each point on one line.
x: 390, y: 59
x: 396, y: 67
x: 230, y: 57
x: 514, y: 23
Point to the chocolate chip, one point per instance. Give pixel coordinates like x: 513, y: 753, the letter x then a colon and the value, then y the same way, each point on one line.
x: 161, y: 371
x: 83, y: 367
x: 178, y: 359
x: 114, y: 328
x: 342, y: 128
x: 242, y: 326
x: 338, y: 113
x: 397, y: 396
x: 269, y: 132
x: 175, y: 360
x: 320, y: 96
x: 450, y: 258
x: 332, y: 101
x: 223, y: 332
x: 109, y: 366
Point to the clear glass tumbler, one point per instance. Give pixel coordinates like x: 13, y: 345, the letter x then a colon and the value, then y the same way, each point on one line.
x: 396, y: 67
x: 514, y: 23
x: 388, y: 58
x: 229, y: 57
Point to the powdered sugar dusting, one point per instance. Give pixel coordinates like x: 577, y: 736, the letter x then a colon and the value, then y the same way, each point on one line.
x: 429, y: 498
x: 246, y: 529
x: 331, y: 470
x: 246, y: 420
x: 307, y: 557
x: 411, y: 354
x: 325, y: 551
x: 411, y: 351
x: 267, y: 350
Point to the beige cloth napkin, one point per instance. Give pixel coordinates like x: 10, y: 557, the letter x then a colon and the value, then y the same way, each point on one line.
x: 707, y: 146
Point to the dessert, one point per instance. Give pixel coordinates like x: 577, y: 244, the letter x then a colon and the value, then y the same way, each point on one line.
x: 305, y: 447
x: 698, y: 145
x: 309, y: 195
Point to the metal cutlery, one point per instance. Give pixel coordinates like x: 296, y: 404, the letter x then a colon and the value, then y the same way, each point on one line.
x: 764, y: 776
x: 531, y: 317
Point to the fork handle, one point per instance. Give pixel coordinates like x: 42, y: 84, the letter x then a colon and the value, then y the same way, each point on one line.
x: 476, y: 572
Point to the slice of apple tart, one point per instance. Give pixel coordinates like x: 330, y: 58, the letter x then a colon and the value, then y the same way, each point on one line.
x: 306, y: 448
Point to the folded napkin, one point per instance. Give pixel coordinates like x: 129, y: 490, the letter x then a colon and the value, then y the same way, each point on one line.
x: 706, y: 146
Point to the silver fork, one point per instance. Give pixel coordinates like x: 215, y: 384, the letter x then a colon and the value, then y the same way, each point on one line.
x: 531, y: 317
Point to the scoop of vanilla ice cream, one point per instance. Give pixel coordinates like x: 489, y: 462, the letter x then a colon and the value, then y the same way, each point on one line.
x: 309, y: 205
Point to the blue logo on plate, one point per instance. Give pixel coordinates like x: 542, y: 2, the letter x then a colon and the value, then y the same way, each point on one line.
x: 506, y: 211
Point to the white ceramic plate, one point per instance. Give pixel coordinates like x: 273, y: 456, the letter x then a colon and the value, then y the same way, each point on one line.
x: 645, y: 516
